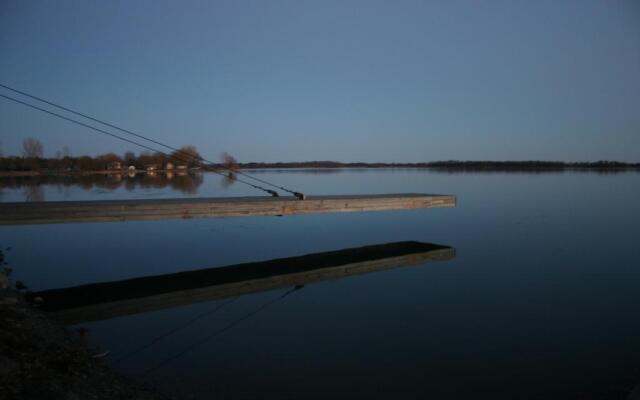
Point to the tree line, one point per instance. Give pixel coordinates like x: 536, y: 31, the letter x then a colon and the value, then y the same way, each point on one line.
x: 32, y: 159
x: 451, y: 165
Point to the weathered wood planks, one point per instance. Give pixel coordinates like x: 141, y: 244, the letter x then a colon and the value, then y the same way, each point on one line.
x: 154, y: 209
x: 113, y: 299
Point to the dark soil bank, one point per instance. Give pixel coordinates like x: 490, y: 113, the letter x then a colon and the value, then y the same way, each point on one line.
x: 39, y: 359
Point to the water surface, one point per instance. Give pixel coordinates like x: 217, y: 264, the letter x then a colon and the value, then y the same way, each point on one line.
x: 540, y: 301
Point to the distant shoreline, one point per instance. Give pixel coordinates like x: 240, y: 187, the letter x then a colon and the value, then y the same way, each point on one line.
x: 470, y: 166
x: 454, y: 164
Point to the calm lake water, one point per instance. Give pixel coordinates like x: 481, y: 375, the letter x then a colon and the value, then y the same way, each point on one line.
x: 541, y: 300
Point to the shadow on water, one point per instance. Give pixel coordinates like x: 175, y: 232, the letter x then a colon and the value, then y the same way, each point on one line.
x: 99, y: 301
x: 33, y: 185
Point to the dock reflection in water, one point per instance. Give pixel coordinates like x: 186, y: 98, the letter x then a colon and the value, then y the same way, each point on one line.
x: 99, y: 301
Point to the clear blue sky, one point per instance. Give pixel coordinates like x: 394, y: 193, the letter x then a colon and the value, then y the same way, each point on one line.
x: 332, y: 80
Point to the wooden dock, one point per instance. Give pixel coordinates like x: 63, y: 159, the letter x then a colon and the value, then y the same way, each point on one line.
x: 99, y: 301
x: 53, y: 212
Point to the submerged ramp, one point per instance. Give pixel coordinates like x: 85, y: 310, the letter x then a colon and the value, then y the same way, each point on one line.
x: 52, y: 212
x: 106, y: 300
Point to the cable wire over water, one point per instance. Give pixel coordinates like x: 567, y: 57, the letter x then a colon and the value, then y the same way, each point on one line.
x: 131, y: 141
x: 190, y: 157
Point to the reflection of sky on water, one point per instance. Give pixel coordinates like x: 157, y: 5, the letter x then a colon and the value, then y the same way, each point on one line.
x: 541, y: 299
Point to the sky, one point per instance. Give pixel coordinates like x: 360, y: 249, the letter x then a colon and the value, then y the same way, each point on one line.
x: 388, y: 81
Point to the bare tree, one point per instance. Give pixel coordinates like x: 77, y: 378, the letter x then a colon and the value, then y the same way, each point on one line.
x: 187, y: 155
x: 229, y: 162
x: 32, y: 148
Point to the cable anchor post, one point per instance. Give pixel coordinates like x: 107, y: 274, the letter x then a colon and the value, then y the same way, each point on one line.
x: 300, y: 196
